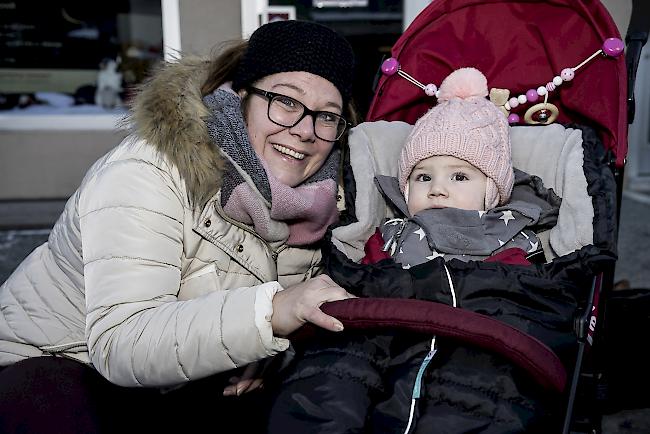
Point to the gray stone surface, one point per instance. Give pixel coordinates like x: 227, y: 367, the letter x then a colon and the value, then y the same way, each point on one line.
x: 634, y: 240
x: 635, y: 421
x: 30, y: 214
x: 15, y: 245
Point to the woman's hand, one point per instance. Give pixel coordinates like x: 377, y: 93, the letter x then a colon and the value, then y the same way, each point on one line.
x: 301, y: 303
x: 250, y: 379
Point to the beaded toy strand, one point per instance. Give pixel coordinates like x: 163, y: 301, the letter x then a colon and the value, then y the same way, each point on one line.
x: 540, y: 113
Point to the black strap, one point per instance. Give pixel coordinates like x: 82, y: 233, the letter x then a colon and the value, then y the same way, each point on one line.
x: 636, y: 38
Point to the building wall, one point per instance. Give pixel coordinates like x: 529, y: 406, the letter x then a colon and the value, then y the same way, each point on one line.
x: 49, y: 164
x: 206, y: 23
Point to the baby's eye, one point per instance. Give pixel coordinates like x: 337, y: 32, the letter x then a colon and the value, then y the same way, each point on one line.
x: 423, y: 177
x: 459, y: 177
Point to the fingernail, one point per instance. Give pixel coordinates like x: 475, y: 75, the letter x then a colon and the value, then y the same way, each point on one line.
x: 338, y: 326
x: 240, y: 390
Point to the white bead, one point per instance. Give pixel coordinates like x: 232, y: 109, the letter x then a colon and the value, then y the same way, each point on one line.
x: 557, y: 80
x: 522, y: 99
x: 507, y: 106
x: 541, y: 91
x: 513, y: 102
x: 430, y: 89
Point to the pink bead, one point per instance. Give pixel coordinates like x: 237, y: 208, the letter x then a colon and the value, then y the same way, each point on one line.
x: 513, y: 102
x: 531, y: 95
x: 567, y: 74
x: 513, y: 118
x: 430, y: 89
x: 613, y: 47
x: 390, y: 66
x: 550, y: 86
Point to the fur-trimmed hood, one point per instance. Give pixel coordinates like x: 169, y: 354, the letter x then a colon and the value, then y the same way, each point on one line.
x: 168, y: 112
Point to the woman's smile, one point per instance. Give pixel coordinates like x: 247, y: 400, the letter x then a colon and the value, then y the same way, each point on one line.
x: 285, y: 151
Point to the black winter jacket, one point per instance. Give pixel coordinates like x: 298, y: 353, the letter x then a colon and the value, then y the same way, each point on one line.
x: 363, y: 381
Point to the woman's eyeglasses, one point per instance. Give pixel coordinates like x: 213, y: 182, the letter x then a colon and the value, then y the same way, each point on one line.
x: 288, y: 112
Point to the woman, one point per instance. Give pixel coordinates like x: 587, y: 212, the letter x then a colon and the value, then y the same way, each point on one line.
x: 189, y: 250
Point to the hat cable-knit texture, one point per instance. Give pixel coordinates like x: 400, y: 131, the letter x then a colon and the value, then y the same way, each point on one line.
x: 465, y: 125
x: 284, y: 46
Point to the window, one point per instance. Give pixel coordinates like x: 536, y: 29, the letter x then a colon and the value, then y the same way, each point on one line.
x: 75, y: 57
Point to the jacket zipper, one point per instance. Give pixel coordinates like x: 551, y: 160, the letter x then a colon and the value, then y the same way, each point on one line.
x: 391, y: 243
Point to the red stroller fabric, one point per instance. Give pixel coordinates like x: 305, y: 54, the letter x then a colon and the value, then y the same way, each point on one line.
x: 518, y: 45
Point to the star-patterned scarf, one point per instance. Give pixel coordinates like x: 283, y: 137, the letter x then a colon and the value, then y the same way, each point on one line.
x: 456, y: 233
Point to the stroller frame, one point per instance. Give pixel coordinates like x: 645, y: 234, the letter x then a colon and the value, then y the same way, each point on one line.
x: 587, y: 390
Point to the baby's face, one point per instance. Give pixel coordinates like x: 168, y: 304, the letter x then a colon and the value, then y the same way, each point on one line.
x: 446, y: 182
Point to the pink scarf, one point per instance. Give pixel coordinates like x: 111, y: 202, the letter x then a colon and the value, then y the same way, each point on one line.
x: 252, y: 195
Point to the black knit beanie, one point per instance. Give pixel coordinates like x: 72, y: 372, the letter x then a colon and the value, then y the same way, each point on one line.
x: 284, y: 46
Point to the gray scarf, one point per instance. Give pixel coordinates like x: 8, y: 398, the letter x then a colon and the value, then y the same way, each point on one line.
x: 456, y: 233
x: 252, y: 195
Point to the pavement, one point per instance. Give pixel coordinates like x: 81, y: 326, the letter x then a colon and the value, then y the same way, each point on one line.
x: 633, y: 236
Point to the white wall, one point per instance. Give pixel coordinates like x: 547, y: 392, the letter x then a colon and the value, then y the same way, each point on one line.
x: 411, y: 10
x: 205, y: 24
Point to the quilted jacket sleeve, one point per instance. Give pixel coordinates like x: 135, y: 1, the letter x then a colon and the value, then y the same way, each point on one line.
x: 138, y: 332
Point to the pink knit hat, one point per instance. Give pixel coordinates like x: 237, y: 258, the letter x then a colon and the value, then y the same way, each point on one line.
x: 465, y: 125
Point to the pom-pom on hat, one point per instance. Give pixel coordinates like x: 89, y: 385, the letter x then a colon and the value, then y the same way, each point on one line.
x: 465, y: 125
x: 283, y: 46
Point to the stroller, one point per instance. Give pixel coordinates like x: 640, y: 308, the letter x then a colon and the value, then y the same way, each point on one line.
x: 518, y: 45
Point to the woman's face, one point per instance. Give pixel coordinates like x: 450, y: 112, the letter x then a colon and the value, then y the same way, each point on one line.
x: 292, y: 154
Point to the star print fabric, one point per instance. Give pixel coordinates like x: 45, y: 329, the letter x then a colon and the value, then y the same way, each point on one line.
x: 466, y: 235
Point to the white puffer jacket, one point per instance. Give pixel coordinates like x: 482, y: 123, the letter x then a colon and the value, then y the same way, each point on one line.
x: 134, y: 278
x: 151, y: 289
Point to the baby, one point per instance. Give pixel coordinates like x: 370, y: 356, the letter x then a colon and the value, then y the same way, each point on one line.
x: 457, y: 193
x: 454, y: 183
